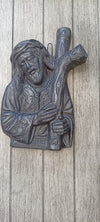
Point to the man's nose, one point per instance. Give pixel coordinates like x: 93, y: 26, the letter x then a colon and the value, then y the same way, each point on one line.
x: 28, y: 64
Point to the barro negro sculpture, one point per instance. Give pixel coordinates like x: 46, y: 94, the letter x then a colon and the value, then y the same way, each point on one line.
x: 37, y: 111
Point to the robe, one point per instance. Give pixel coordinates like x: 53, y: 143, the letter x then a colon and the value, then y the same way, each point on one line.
x: 19, y: 108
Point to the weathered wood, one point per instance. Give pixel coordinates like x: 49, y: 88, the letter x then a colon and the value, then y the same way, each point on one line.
x: 58, y: 166
x: 48, y: 196
x: 86, y: 106
x: 5, y: 73
x: 27, y: 164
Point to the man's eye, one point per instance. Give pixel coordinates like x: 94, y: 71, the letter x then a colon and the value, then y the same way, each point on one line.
x: 22, y: 63
x: 29, y: 58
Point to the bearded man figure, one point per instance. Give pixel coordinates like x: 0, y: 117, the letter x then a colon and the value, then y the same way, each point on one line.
x: 37, y: 111
x: 27, y: 106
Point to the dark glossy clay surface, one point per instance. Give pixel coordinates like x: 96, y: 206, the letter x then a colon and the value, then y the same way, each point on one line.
x: 37, y: 111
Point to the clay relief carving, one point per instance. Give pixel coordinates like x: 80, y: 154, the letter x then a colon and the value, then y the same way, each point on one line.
x: 37, y: 110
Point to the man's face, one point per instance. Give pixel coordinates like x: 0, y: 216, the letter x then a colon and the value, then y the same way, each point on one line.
x: 32, y: 66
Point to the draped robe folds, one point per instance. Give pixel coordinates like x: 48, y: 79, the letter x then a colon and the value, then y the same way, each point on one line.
x: 19, y: 109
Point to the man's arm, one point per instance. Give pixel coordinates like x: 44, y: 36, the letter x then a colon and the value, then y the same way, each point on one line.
x: 65, y: 126
x: 15, y: 124
x: 20, y: 126
x: 69, y: 116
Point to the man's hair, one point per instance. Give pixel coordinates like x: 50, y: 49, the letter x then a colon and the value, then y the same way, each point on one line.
x: 25, y: 45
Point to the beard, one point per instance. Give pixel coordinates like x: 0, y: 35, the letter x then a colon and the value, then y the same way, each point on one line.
x: 35, y: 76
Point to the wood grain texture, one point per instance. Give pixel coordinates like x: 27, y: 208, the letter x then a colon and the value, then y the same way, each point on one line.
x: 5, y: 74
x: 44, y: 186
x: 86, y: 106
x: 58, y: 166
x: 26, y: 183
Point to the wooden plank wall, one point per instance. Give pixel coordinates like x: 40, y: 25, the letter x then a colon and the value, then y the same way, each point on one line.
x: 26, y: 184
x: 86, y: 104
x: 5, y: 76
x: 45, y: 186
x: 58, y: 166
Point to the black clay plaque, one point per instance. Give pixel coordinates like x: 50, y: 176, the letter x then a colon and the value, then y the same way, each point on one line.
x: 37, y: 110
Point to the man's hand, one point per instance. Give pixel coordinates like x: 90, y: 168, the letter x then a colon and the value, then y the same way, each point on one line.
x: 46, y: 114
x: 60, y: 127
